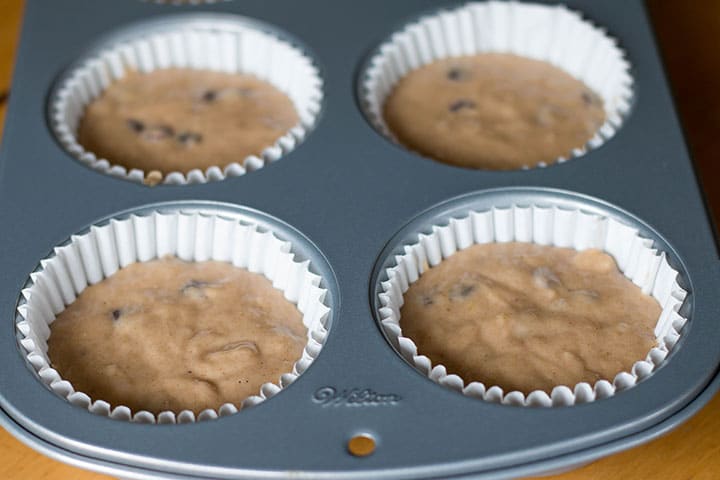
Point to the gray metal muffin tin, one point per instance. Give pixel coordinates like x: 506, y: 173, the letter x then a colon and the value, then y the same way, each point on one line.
x: 349, y: 190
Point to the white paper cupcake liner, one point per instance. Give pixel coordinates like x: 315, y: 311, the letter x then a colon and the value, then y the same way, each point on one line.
x: 552, y: 34
x: 217, y: 44
x: 644, y: 265
x: 89, y: 258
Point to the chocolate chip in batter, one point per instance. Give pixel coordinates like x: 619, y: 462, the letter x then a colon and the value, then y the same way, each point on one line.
x: 196, y: 284
x: 461, y: 290
x: 122, y: 312
x: 466, y: 290
x: 209, y: 96
x: 189, y: 139
x: 590, y: 98
x: 457, y: 74
x: 461, y: 104
x: 426, y: 300
x: 157, y: 133
x: 135, y: 125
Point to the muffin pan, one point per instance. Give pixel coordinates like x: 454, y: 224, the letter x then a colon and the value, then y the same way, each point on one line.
x: 349, y: 192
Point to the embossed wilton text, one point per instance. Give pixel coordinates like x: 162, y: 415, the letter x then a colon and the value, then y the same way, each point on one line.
x: 355, y: 397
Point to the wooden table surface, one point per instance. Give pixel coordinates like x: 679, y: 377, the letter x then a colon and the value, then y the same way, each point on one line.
x: 689, y: 33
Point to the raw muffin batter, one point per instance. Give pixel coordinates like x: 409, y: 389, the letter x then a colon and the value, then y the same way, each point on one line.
x: 529, y: 317
x: 492, y: 111
x: 173, y: 335
x: 181, y: 119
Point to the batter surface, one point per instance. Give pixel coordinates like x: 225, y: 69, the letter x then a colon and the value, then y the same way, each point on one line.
x: 492, y: 111
x: 529, y: 317
x: 181, y: 119
x: 173, y: 335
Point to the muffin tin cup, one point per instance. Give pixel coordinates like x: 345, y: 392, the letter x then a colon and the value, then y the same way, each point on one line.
x: 543, y: 224
x: 553, y: 34
x: 190, y: 235
x: 222, y: 43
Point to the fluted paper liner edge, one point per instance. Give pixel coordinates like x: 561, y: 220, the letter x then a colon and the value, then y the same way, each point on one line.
x: 189, y: 235
x: 218, y: 45
x: 553, y: 34
x: 636, y: 257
